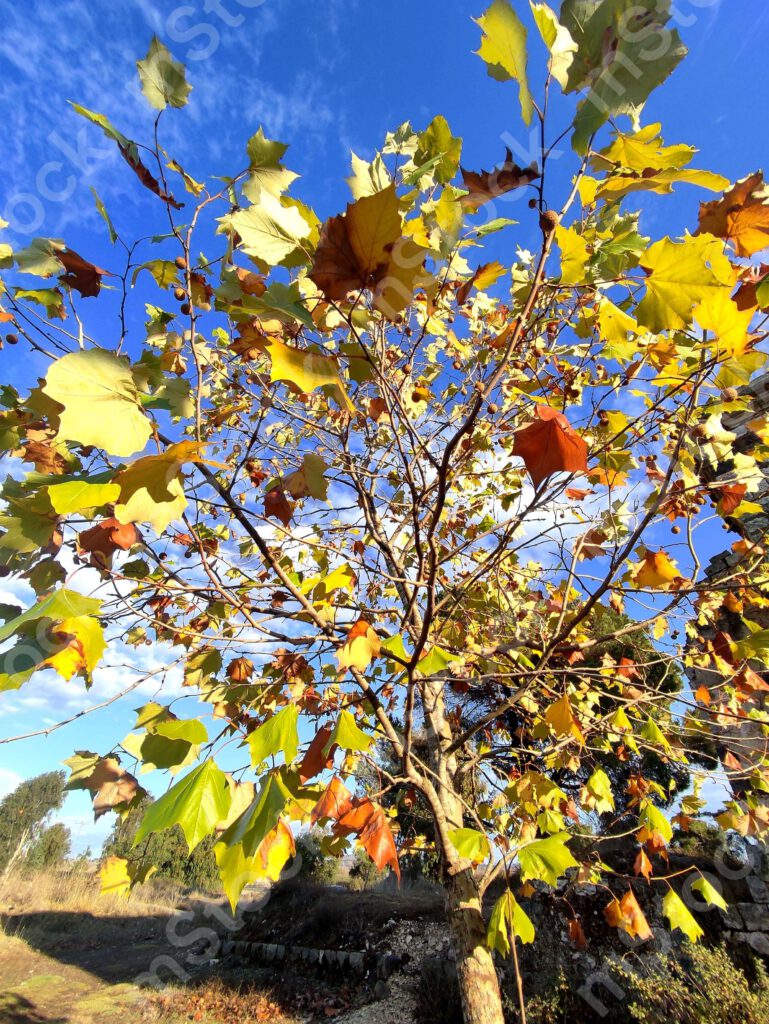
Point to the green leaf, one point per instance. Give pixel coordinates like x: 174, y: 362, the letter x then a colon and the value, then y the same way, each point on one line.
x: 615, y: 60
x: 61, y: 604
x: 675, y: 910
x: 107, y: 127
x: 308, y: 480
x: 155, y: 751
x: 709, y: 893
x: 492, y: 226
x: 201, y: 666
x: 165, y: 272
x: 196, y: 803
x: 279, y: 734
x: 503, y: 49
x: 163, y: 79
x: 558, y: 41
x: 438, y: 147
x: 191, y: 730
x: 394, y: 644
x: 100, y: 401
x: 105, y: 216
x: 653, y: 818
x: 258, y: 819
x: 471, y: 844
x: 508, y: 921
x: 39, y: 258
x: 599, y: 788
x: 236, y: 870
x: 76, y: 495
x: 436, y: 660
x: 269, y: 231
x: 50, y: 299
x: 546, y: 859
x: 267, y: 172
x: 174, y: 395
x: 348, y: 735
x: 81, y: 767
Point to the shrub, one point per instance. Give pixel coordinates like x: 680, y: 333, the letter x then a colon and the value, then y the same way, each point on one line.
x: 702, y: 987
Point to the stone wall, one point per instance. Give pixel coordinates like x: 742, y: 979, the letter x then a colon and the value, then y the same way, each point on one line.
x: 744, y: 740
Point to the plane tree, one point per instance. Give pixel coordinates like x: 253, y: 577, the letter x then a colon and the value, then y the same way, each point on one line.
x: 351, y: 469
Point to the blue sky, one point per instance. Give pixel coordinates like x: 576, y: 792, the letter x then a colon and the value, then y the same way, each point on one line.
x: 326, y: 78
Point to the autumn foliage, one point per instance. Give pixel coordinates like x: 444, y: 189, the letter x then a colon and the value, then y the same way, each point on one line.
x: 372, y: 488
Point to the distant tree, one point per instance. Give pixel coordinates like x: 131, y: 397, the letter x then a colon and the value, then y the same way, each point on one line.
x: 165, y: 850
x: 50, y: 848
x: 24, y: 814
x: 315, y: 865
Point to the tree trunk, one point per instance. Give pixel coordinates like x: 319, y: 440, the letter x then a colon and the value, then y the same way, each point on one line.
x: 478, y: 983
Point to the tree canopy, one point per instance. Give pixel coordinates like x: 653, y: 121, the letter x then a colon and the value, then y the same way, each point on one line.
x: 24, y: 830
x: 376, y: 487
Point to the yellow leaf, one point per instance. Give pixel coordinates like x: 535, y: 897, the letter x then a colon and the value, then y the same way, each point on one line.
x: 361, y: 646
x: 614, y: 326
x: 115, y: 878
x: 304, y: 370
x: 574, y: 255
x: 729, y: 325
x: 561, y: 720
x: 118, y: 875
x: 656, y: 572
x: 503, y: 49
x: 83, y: 644
x: 682, y: 275
x: 150, y: 488
x: 405, y: 274
x: 644, y: 149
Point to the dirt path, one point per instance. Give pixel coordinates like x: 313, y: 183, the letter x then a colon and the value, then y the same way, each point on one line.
x: 39, y: 989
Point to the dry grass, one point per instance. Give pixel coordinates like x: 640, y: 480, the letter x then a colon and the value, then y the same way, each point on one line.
x: 79, y: 892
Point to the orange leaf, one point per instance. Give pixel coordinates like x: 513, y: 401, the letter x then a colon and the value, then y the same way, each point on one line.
x: 627, y: 669
x: 550, y: 445
x: 749, y: 681
x: 703, y: 694
x: 314, y: 761
x: 731, y: 498
x: 742, y: 216
x: 627, y: 915
x: 643, y: 866
x: 577, y: 934
x: 107, y: 537
x: 335, y: 802
x: 376, y: 407
x: 656, y: 572
x: 374, y: 834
